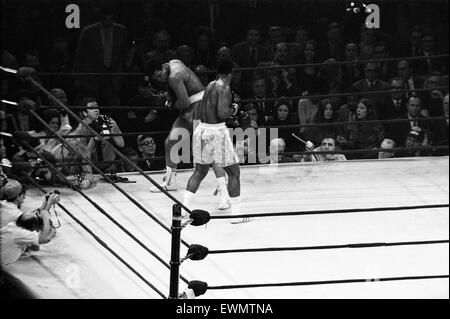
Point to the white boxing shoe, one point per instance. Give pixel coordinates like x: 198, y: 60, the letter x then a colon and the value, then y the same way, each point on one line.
x: 169, y: 183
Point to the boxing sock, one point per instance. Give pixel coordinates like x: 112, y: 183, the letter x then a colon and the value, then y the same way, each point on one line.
x: 222, y: 185
x: 235, y: 205
x: 187, y: 198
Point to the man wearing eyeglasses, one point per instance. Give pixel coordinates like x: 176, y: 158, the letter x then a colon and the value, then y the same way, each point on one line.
x: 147, y: 147
x: 24, y: 230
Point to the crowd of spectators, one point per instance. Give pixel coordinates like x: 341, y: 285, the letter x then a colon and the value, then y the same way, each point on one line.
x: 105, y: 47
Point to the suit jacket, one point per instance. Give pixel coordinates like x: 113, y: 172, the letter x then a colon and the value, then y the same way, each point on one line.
x: 363, y: 86
x: 89, y: 52
x: 388, y: 109
x: 241, y: 54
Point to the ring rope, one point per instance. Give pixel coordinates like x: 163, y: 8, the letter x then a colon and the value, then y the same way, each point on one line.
x: 329, y: 282
x: 260, y: 68
x: 274, y: 99
x: 389, y: 121
x: 101, y: 210
x: 355, y: 151
x: 117, y: 152
x: 356, y: 245
x: 333, y: 211
x: 98, y: 170
x: 100, y: 241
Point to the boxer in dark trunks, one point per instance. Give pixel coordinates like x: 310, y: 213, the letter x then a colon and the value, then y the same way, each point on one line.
x: 185, y: 93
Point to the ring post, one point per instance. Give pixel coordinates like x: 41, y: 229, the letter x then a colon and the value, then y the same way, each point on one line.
x: 175, y: 257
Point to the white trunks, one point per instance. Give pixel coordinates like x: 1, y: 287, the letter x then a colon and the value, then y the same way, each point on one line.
x: 212, y: 144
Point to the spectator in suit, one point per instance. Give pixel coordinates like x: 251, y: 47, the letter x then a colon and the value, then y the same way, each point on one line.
x: 347, y: 111
x: 441, y: 129
x: 395, y: 105
x: 276, y: 35
x: 283, y: 82
x: 334, y: 46
x: 102, y: 48
x: 351, y: 72
x: 387, y: 69
x: 260, y: 93
x: 250, y: 52
x: 147, y: 148
x: 185, y: 54
x: 427, y: 66
x: 161, y: 47
x: 432, y: 100
x: 410, y: 81
x: 205, y: 51
x: 297, y: 47
x: 371, y: 82
x: 401, y: 130
x: 415, y: 45
x: 368, y: 38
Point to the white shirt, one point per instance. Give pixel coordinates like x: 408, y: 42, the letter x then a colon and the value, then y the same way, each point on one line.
x: 14, y: 241
x: 8, y: 213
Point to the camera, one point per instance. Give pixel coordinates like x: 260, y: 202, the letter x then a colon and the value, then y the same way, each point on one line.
x: 103, y: 124
x: 57, y: 192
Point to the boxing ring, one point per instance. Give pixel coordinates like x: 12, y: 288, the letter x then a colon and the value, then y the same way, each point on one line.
x: 74, y: 265
x: 353, y: 229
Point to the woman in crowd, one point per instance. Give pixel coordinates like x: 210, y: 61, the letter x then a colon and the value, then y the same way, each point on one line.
x: 283, y: 117
x: 363, y: 136
x: 325, y: 115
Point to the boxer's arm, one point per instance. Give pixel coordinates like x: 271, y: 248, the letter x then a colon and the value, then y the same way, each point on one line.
x: 224, y: 108
x: 177, y: 84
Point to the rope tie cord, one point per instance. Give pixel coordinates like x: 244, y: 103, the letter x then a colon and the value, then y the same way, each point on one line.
x: 101, y: 210
x: 101, y: 242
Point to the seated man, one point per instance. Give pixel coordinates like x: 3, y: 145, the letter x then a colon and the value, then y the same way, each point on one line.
x: 387, y: 144
x: 147, y: 147
x: 328, y: 145
x: 276, y: 152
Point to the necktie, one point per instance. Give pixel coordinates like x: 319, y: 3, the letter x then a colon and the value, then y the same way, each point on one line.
x: 107, y: 48
x: 253, y: 57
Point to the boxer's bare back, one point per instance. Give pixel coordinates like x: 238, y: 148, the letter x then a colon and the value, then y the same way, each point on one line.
x: 215, y: 104
x: 185, y: 83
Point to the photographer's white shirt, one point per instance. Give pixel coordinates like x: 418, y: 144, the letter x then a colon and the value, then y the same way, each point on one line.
x: 8, y: 213
x: 14, y: 241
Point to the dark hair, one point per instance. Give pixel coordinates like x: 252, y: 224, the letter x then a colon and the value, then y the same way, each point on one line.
x: 153, y: 65
x: 224, y: 66
x: 84, y: 101
x: 320, y: 118
x: 370, y: 106
x: 106, y: 8
x: 284, y: 101
x: 31, y: 224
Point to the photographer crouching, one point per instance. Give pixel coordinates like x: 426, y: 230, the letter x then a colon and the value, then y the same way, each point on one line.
x: 24, y: 231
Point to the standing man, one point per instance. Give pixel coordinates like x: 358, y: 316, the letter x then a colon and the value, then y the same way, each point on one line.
x: 212, y: 142
x: 185, y: 93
